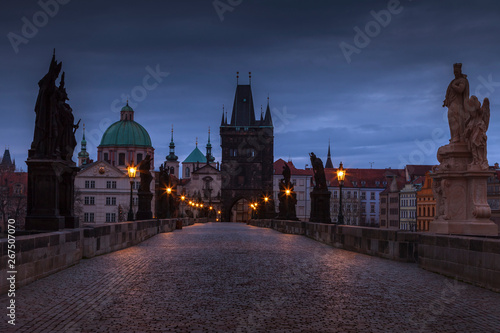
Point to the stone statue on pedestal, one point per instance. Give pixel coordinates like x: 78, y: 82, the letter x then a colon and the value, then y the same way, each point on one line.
x: 460, y: 180
x: 456, y: 95
x: 320, y: 196
x: 287, y: 196
x: 51, y: 171
x: 145, y: 196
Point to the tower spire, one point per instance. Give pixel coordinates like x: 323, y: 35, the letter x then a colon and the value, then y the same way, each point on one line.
x: 329, y: 163
x: 209, y: 156
x: 222, y: 123
x: 237, y: 77
x: 171, y: 157
x: 83, y: 155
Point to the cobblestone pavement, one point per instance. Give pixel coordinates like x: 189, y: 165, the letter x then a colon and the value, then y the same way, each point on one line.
x: 237, y: 278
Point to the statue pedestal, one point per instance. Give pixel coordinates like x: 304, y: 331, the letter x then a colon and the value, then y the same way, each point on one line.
x: 320, y: 206
x: 51, y: 195
x: 461, y: 204
x: 144, y: 209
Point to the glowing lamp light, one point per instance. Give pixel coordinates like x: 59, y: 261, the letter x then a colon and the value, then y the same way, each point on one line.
x: 201, y: 205
x: 341, y: 172
x: 169, y: 190
x: 183, y: 198
x: 132, y: 171
x: 210, y: 207
x: 287, y: 191
x: 218, y: 212
x: 266, y: 199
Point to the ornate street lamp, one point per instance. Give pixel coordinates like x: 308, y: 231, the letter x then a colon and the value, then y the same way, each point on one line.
x: 131, y: 170
x: 340, y: 177
x: 183, y: 198
x: 169, y: 191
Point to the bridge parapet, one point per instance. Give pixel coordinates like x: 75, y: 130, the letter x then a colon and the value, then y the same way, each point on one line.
x: 471, y: 259
x: 40, y: 255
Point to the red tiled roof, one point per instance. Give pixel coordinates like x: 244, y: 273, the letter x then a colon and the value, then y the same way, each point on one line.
x: 279, y: 164
x: 368, y: 178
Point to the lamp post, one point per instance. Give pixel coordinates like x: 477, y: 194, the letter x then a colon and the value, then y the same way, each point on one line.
x: 131, y: 174
x: 169, y: 191
x: 183, y: 197
x: 340, y: 177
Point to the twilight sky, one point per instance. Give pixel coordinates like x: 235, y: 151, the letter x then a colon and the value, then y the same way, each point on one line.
x: 368, y: 75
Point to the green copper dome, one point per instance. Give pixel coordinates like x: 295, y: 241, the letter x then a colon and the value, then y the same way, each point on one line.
x: 127, y: 108
x: 126, y: 133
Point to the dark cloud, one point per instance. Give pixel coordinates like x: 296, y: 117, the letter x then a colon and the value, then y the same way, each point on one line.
x: 383, y: 107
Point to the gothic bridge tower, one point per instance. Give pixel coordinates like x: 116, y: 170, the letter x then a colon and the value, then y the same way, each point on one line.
x: 247, y: 157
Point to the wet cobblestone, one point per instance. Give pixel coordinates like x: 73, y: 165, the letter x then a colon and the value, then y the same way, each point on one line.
x: 237, y: 278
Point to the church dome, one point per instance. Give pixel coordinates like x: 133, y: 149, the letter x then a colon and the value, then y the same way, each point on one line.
x: 126, y: 132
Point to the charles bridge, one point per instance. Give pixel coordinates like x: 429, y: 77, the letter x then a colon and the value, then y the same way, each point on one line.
x: 232, y: 277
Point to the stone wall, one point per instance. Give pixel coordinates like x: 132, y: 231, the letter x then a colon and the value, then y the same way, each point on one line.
x: 471, y: 259
x: 40, y: 255
x: 390, y: 244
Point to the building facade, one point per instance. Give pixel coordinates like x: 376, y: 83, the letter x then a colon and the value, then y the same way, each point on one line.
x: 408, y: 208
x: 102, y: 188
x: 426, y: 205
x: 247, y: 156
x: 301, y: 180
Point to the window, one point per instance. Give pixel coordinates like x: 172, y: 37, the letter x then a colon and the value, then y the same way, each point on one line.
x: 89, y: 200
x: 233, y: 152
x: 383, y: 200
x: 187, y: 173
x: 335, y: 194
x: 111, y: 184
x: 393, y: 200
x: 372, y: 208
x: 139, y: 158
x: 363, y: 195
x: 18, y: 189
x: 88, y: 217
x: 90, y: 184
x: 382, y: 211
x: 135, y: 201
x: 106, y: 157
x: 348, y: 194
x: 355, y: 195
x: 110, y: 201
x: 363, y: 183
x: 121, y: 159
x: 372, y: 195
x: 110, y: 217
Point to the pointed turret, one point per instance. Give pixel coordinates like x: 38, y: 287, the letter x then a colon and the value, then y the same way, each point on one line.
x: 243, y: 110
x: 329, y: 163
x: 171, y: 156
x: 83, y: 155
x: 209, y: 156
x: 222, y: 121
x: 268, y: 121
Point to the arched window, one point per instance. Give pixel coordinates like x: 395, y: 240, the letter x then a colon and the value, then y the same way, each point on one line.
x: 187, y: 174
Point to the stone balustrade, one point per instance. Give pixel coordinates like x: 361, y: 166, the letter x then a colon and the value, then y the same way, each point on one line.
x: 471, y: 259
x: 39, y: 255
